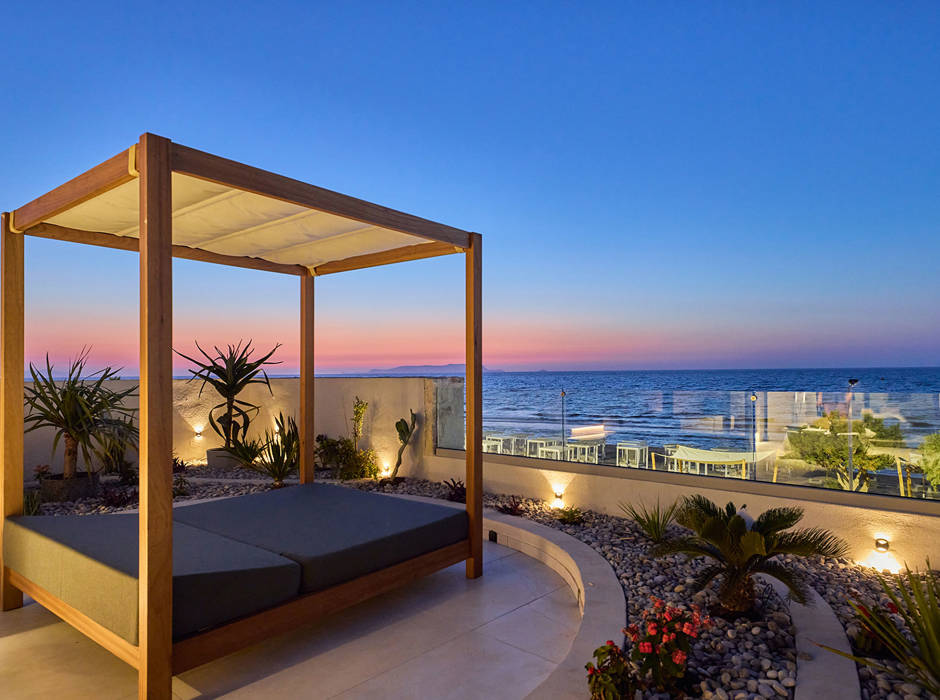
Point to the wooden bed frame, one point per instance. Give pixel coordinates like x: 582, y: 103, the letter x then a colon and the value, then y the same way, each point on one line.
x: 152, y: 161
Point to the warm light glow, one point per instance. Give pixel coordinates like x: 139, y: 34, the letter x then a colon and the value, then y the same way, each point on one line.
x: 882, y: 544
x: 198, y: 430
x: 558, y: 502
x: 882, y: 561
x: 386, y: 469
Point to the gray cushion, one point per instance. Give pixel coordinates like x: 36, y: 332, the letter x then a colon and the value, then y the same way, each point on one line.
x: 334, y: 533
x: 90, y: 562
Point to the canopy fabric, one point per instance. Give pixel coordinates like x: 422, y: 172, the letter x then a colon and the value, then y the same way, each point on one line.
x: 692, y: 454
x: 221, y: 219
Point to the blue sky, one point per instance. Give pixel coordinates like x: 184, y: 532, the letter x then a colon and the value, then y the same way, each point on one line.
x: 658, y: 184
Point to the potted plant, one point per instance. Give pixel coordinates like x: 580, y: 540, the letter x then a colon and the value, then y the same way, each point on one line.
x: 229, y: 372
x: 85, y: 413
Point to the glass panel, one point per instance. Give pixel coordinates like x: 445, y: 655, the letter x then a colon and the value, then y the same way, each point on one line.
x: 848, y: 439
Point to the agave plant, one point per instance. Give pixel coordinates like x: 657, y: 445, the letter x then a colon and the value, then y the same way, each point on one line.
x: 653, y: 520
x: 117, y: 437
x: 280, y: 454
x: 405, y: 432
x: 742, y: 547
x: 229, y: 372
x: 82, y: 410
x: 917, y: 601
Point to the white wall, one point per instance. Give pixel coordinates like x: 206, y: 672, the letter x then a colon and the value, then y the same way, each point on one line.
x: 911, y: 526
x: 389, y: 399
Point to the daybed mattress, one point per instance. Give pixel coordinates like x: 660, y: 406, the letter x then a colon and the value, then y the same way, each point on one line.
x: 335, y: 533
x: 232, y: 557
x: 90, y: 562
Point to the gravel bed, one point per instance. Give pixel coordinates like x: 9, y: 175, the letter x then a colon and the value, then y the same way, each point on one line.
x: 98, y: 504
x: 740, y: 659
x: 838, y: 583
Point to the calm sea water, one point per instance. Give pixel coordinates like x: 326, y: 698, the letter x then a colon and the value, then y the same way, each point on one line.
x: 707, y: 408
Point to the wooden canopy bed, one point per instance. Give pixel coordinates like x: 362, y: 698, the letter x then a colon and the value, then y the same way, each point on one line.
x: 268, y: 562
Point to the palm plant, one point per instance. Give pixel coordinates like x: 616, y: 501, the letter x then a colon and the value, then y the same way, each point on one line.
x: 653, y: 520
x: 229, y: 372
x: 917, y: 601
x: 82, y: 410
x: 742, y: 547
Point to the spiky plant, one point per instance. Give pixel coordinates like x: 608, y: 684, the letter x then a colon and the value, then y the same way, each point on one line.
x: 917, y: 601
x: 405, y: 432
x: 82, y: 410
x: 280, y: 454
x: 229, y: 372
x: 742, y: 548
x: 654, y: 521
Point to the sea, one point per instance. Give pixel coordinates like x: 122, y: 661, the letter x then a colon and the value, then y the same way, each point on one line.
x: 707, y: 408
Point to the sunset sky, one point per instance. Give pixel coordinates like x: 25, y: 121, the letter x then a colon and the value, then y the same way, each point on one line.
x: 659, y: 185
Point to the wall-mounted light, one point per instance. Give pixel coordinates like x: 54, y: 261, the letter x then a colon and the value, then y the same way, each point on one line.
x: 558, y: 502
x: 198, y: 430
x: 386, y: 469
x: 882, y: 545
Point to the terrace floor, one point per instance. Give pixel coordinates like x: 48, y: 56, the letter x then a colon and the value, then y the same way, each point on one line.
x: 443, y: 637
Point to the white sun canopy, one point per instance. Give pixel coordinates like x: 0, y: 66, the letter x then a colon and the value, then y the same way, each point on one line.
x: 694, y: 454
x: 229, y: 209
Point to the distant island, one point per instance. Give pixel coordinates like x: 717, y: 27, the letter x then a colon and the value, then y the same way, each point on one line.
x: 426, y: 370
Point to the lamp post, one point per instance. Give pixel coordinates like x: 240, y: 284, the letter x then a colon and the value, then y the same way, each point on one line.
x: 564, y: 439
x: 852, y: 383
x: 754, y: 431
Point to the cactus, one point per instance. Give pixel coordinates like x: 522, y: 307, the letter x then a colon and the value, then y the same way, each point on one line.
x: 405, y: 433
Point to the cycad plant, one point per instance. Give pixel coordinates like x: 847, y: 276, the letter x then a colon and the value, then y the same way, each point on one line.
x: 229, y: 372
x: 82, y: 410
x: 917, y: 601
x: 742, y: 547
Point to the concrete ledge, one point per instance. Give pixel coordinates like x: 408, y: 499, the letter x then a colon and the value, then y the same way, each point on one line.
x: 819, y: 673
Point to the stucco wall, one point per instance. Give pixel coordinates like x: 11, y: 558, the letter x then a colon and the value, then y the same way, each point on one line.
x: 389, y: 399
x: 912, y: 527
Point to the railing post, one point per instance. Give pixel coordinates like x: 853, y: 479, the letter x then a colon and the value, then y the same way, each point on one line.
x: 155, y: 521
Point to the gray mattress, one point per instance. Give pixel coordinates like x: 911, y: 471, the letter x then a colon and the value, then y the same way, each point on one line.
x: 231, y: 558
x: 334, y: 533
x: 90, y: 562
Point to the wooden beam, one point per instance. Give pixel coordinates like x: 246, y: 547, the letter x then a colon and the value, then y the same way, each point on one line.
x: 11, y: 393
x: 103, y: 177
x: 109, y: 240
x: 120, y: 647
x: 474, y: 392
x: 307, y: 427
x: 244, y: 177
x: 387, y: 257
x: 205, y: 647
x: 155, y: 587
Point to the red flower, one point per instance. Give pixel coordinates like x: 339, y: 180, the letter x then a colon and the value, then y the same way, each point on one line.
x: 892, y: 608
x: 646, y: 648
x: 657, y: 603
x: 678, y: 657
x: 687, y: 628
x: 610, y: 642
x: 651, y: 629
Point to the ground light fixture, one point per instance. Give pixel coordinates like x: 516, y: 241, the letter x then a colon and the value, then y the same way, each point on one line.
x: 558, y: 502
x: 882, y: 544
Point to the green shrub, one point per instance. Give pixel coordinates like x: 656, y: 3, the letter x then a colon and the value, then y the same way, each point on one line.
x: 612, y: 678
x: 246, y: 451
x: 653, y: 521
x: 346, y: 462
x: 931, y: 460
x: 570, y: 515
x: 742, y: 547
x: 280, y: 453
x: 32, y: 502
x: 456, y: 491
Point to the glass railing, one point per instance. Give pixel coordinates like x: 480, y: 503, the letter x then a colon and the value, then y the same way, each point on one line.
x: 884, y: 443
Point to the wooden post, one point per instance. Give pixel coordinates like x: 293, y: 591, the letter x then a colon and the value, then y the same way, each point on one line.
x: 306, y: 427
x: 474, y: 391
x: 155, y: 581
x: 11, y: 393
